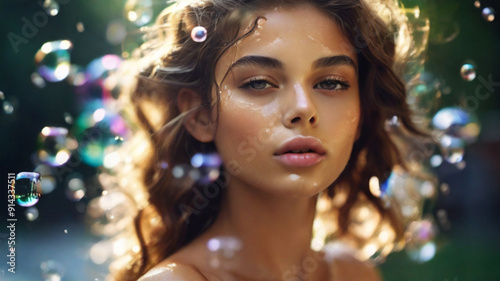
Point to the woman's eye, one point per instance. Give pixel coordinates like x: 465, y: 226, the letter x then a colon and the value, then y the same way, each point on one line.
x: 259, y: 84
x: 333, y: 85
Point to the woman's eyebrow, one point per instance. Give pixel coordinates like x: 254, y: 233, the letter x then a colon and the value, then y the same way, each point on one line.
x: 257, y: 61
x: 335, y: 60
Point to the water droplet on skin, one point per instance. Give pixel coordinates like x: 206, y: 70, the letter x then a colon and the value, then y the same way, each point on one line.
x: 27, y: 188
x: 468, y: 72
x: 488, y: 14
x: 199, y: 34
x: 53, y: 60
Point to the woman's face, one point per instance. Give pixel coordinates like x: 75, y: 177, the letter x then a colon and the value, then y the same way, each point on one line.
x: 289, y: 105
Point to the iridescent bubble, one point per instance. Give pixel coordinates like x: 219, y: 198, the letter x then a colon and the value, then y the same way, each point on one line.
x: 96, y: 129
x: 27, y: 189
x: 420, y: 233
x: 51, y: 7
x: 8, y: 108
x: 53, y: 60
x: 477, y: 4
x: 140, y: 12
x: 52, y: 146
x: 424, y: 94
x: 52, y: 270
x: 31, y: 213
x: 115, y: 32
x: 422, y: 253
x: 80, y: 27
x: 37, y: 80
x: 102, y: 67
x: 77, y: 76
x: 48, y: 182
x: 75, y: 189
x: 468, y: 72
x: 222, y: 249
x: 488, y: 14
x: 458, y: 123
x: 452, y: 149
x: 199, y: 34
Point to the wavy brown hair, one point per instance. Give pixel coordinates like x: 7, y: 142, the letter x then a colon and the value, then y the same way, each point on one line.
x: 167, y: 216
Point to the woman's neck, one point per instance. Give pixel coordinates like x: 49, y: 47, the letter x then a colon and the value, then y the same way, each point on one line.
x: 275, y: 231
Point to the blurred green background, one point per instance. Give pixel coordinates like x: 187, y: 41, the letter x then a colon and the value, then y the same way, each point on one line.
x: 468, y: 250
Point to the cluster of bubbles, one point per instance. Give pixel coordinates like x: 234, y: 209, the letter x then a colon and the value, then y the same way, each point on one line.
x: 488, y: 13
x: 204, y: 168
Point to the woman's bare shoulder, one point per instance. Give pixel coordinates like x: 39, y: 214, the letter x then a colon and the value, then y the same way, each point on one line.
x: 345, y: 266
x: 168, y: 270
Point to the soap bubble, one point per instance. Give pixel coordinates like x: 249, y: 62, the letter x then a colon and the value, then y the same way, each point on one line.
x: 458, y: 123
x: 52, y: 146
x: 222, y: 249
x: 68, y: 118
x: 199, y: 34
x: 27, y: 188
x: 2, y: 95
x: 207, y: 166
x: 53, y: 60
x: 468, y: 72
x: 96, y: 129
x: 80, y: 27
x: 477, y: 4
x: 115, y: 32
x: 37, y: 80
x: 140, y: 12
x: 52, y: 270
x: 421, y: 247
x: 102, y: 67
x: 452, y: 149
x: 424, y: 94
x: 51, y: 7
x: 47, y: 182
x: 31, y: 213
x: 8, y: 108
x: 488, y: 14
x: 77, y: 75
x: 75, y: 189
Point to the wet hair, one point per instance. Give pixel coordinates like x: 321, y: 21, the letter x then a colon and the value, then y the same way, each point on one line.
x: 166, y: 215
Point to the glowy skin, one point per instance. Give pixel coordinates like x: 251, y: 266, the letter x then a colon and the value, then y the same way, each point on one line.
x: 263, y: 106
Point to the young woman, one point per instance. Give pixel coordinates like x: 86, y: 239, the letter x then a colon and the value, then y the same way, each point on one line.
x: 293, y: 96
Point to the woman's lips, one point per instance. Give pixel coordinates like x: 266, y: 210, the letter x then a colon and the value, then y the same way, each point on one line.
x: 300, y: 152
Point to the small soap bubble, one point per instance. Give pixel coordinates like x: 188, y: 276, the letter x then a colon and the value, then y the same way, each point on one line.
x: 31, y: 213
x: 51, y: 7
x: 8, y: 108
x: 53, y: 60
x: 477, y: 4
x: 27, y: 188
x: 222, y: 249
x: 445, y: 188
x: 52, y: 270
x: 452, y: 149
x: 37, y: 80
x: 488, y: 14
x: 115, y: 32
x: 422, y: 253
x: 436, y: 160
x: 458, y: 123
x: 180, y: 171
x: 52, y: 146
x: 68, y: 118
x: 101, y: 68
x: 461, y: 165
x: 140, y: 12
x: 468, y: 72
x: 2, y: 95
x: 80, y: 27
x: 76, y: 76
x: 75, y: 190
x: 424, y: 94
x: 66, y: 231
x: 48, y: 182
x: 199, y: 34
x: 206, y: 160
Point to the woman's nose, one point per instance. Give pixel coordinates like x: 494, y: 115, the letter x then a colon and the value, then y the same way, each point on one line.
x: 299, y: 108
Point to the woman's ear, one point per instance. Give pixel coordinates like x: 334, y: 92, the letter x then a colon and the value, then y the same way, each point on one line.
x: 198, y: 121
